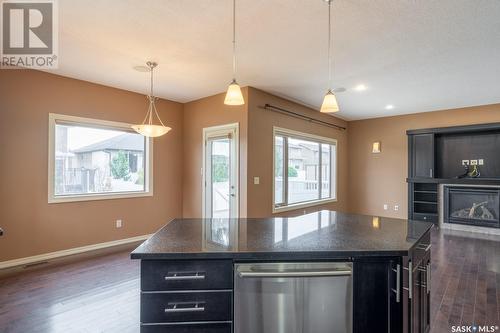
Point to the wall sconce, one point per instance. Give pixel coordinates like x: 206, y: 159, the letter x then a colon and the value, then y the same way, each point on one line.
x: 376, y: 222
x: 376, y: 147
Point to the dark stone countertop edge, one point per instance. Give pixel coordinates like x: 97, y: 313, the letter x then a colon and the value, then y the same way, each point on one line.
x: 289, y: 255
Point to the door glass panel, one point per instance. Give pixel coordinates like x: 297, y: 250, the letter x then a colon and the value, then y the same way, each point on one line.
x: 220, y: 184
x: 303, y: 170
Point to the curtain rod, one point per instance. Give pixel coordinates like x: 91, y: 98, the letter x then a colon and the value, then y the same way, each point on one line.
x: 301, y: 116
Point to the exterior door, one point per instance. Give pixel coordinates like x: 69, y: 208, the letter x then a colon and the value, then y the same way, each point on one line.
x: 220, y: 172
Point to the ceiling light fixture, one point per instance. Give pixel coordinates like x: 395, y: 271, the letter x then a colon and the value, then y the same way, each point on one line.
x: 389, y: 107
x: 330, y: 104
x: 234, y: 95
x: 360, y: 87
x: 147, y: 128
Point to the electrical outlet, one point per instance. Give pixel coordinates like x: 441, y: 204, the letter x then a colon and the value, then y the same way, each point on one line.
x: 386, y: 206
x: 118, y: 223
x: 481, y: 161
x: 473, y: 162
x: 256, y: 180
x: 396, y: 208
x: 465, y: 162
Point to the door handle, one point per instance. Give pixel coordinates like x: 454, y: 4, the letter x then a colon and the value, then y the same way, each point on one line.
x: 428, y: 277
x: 398, y: 283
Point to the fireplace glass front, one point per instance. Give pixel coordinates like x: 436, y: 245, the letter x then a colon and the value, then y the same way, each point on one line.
x: 473, y: 206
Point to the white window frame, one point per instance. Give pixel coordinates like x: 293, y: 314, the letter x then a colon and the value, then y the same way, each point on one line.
x: 95, y: 123
x: 333, y: 169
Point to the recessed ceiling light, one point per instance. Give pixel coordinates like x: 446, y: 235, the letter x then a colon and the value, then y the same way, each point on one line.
x: 389, y: 107
x: 360, y: 87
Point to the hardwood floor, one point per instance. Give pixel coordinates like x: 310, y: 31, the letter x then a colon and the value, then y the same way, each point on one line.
x: 465, y: 280
x: 101, y: 294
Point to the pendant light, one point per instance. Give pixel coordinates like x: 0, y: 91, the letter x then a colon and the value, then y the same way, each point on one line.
x: 330, y: 104
x: 147, y: 128
x: 233, y: 94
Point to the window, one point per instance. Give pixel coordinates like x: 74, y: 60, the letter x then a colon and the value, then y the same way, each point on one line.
x: 304, y: 169
x: 93, y: 159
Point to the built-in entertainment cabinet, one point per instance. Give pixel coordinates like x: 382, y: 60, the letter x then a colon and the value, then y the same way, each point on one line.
x: 468, y: 155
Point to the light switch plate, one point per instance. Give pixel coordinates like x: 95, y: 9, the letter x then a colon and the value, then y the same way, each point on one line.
x: 473, y: 162
x: 256, y: 180
x: 118, y: 223
x: 481, y: 161
x: 386, y: 206
x: 465, y: 162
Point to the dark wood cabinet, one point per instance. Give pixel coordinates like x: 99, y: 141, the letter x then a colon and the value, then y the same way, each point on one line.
x: 390, y: 294
x: 417, y: 289
x: 421, y: 149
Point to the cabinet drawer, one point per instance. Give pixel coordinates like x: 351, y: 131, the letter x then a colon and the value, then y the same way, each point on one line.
x: 187, y: 328
x: 157, y: 275
x: 425, y: 217
x: 164, y: 307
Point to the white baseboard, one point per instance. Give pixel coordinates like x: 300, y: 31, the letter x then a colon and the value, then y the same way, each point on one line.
x: 68, y: 252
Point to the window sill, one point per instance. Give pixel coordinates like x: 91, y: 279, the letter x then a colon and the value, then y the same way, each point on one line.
x: 302, y: 205
x: 96, y: 197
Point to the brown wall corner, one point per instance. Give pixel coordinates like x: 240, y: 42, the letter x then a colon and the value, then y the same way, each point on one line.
x: 31, y: 225
x: 376, y: 179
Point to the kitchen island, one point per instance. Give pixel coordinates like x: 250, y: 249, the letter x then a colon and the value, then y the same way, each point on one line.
x: 321, y: 272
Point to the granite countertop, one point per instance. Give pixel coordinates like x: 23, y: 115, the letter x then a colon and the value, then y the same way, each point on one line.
x: 324, y: 234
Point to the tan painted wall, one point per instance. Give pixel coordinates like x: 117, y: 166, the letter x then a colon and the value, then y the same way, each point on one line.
x: 32, y: 226
x: 207, y: 112
x: 260, y: 150
x: 375, y: 179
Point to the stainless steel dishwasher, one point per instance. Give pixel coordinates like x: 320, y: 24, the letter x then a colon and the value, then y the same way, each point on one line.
x: 314, y: 297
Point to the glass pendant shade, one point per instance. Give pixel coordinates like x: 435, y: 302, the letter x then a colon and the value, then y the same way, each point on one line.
x: 234, y: 95
x: 330, y: 104
x: 151, y: 131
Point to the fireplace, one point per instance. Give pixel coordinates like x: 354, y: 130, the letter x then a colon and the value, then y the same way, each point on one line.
x: 478, y: 206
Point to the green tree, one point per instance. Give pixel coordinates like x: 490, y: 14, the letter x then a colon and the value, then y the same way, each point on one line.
x: 119, y: 166
x: 220, y: 168
x: 292, y: 172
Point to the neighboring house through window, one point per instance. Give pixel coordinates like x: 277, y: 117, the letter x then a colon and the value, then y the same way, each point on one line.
x: 304, y: 169
x: 93, y: 159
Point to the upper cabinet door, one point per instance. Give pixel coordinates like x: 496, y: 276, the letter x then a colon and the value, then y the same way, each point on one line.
x: 422, y: 155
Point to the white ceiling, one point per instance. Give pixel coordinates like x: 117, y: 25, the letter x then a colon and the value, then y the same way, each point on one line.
x: 418, y: 55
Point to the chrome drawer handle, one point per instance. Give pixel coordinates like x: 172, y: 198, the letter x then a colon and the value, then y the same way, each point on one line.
x: 182, y: 276
x: 175, y: 309
x: 425, y: 247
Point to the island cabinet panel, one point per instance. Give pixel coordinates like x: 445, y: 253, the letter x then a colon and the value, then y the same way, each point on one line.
x: 186, y: 275
x: 417, y: 288
x: 371, y: 295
